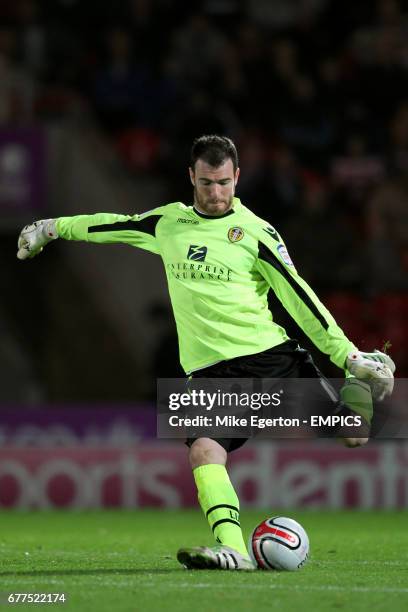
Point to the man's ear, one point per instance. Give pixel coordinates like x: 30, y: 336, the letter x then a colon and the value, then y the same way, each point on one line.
x: 237, y: 173
x: 192, y: 176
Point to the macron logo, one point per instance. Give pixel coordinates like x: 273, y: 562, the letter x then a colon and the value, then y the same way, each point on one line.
x: 197, y: 253
x: 182, y: 220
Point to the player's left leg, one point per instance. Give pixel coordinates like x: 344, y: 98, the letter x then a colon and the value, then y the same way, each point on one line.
x: 354, y: 399
x: 372, y: 379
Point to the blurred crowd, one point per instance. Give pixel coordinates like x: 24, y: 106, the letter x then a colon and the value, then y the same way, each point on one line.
x: 314, y: 92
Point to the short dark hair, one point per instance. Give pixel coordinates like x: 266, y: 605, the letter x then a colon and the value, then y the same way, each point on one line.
x: 214, y: 150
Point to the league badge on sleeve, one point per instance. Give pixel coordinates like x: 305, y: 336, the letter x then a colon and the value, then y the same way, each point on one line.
x: 282, y: 250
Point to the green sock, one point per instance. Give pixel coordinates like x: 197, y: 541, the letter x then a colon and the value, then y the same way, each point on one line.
x: 357, y: 395
x: 220, y: 505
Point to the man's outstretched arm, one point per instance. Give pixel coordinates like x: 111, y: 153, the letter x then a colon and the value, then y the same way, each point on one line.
x: 315, y: 320
x: 103, y: 228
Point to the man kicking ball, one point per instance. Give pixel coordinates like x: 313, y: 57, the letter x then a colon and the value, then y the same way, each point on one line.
x: 221, y: 260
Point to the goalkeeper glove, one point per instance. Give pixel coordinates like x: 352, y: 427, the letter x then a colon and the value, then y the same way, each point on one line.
x: 34, y: 237
x: 377, y: 369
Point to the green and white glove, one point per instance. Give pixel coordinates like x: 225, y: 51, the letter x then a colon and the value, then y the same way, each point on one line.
x: 34, y: 237
x: 377, y: 369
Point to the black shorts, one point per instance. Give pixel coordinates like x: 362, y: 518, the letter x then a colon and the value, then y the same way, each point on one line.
x: 286, y: 360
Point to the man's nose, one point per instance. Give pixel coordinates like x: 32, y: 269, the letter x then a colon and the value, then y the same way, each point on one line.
x: 215, y: 191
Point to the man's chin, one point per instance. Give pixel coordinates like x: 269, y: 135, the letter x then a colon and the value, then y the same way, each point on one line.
x: 216, y: 209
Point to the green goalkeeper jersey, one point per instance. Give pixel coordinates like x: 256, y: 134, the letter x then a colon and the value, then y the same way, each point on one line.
x: 219, y: 271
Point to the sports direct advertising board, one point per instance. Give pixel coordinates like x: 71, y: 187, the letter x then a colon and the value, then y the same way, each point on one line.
x: 82, y: 456
x: 156, y: 473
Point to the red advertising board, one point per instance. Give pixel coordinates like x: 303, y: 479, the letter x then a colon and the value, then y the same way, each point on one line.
x: 266, y: 475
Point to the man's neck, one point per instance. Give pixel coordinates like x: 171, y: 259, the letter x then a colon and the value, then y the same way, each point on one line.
x: 208, y: 214
x: 205, y: 212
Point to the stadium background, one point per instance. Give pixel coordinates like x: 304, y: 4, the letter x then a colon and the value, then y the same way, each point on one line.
x: 99, y: 103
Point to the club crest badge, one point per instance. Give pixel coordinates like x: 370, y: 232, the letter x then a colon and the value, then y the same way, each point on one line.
x: 235, y: 234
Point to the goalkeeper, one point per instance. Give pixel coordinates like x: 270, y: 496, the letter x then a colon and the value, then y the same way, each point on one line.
x: 221, y: 260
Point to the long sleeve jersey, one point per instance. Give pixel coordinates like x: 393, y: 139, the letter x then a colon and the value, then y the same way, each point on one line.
x: 219, y: 271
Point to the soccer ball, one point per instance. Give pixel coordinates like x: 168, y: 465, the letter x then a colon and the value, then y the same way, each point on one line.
x: 279, y: 543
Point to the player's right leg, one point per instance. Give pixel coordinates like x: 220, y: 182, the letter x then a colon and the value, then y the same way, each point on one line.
x: 220, y: 505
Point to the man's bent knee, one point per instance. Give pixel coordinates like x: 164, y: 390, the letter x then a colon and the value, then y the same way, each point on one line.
x: 204, y: 451
x: 354, y: 442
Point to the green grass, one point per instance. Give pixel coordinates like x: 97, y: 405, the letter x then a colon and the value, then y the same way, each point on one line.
x: 125, y: 561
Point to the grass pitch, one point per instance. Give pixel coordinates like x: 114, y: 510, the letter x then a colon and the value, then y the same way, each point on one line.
x: 125, y: 561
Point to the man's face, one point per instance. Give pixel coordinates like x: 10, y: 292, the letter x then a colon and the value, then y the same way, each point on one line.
x: 214, y: 188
